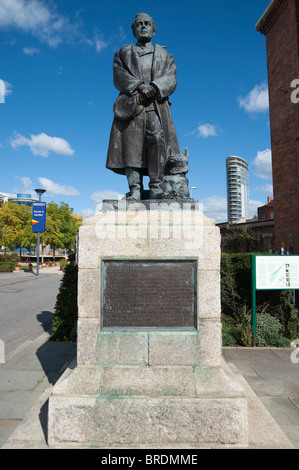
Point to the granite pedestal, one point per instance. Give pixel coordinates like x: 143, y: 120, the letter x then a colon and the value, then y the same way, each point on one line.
x: 149, y: 367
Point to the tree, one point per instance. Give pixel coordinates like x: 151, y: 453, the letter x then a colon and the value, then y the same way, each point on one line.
x: 62, y: 226
x: 15, y: 225
x: 52, y: 235
x: 242, y: 241
x: 25, y: 235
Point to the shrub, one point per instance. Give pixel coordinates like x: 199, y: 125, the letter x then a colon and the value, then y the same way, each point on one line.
x: 228, y: 338
x: 9, y: 258
x: 236, y: 296
x: 66, y: 309
x: 235, y: 282
x: 7, y: 267
x: 269, y: 331
x: 243, y: 329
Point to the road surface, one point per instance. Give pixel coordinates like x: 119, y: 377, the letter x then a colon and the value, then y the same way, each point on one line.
x: 26, y: 309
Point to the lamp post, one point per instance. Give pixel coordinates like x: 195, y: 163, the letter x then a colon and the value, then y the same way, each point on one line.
x: 40, y: 192
x: 193, y: 187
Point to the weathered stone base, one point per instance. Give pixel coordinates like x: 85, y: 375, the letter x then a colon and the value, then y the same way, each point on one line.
x: 149, y: 387
x: 148, y: 406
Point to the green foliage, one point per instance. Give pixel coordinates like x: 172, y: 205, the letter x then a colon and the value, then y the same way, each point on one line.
x: 235, y: 283
x: 228, y: 337
x: 7, y: 267
x: 243, y: 328
x: 15, y: 225
x: 9, y: 258
x: 236, y: 302
x: 269, y: 331
x: 66, y: 310
x: 62, y: 226
x: 242, y: 241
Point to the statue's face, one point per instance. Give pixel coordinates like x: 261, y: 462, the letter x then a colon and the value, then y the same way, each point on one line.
x: 144, y: 28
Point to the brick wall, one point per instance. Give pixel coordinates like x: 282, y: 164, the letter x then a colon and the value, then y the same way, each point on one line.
x: 281, y: 27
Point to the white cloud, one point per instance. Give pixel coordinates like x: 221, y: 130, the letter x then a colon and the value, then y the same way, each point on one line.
x: 215, y: 207
x: 8, y: 88
x: 34, y: 17
x: 5, y: 90
x: 98, y: 197
x: 55, y: 188
x: 265, y: 189
x: 2, y: 91
x: 207, y: 130
x: 263, y: 164
x: 41, y: 19
x: 31, y: 50
x: 42, y: 144
x: 253, y: 206
x: 27, y: 185
x: 87, y: 213
x: 99, y: 44
x: 257, y: 101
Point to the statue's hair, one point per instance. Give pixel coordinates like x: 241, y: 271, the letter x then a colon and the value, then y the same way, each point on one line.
x: 133, y: 24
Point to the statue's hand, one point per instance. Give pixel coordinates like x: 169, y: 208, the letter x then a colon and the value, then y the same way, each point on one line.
x: 147, y: 92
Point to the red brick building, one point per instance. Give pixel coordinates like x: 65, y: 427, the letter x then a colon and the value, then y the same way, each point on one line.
x: 280, y: 25
x: 262, y: 229
x: 266, y: 212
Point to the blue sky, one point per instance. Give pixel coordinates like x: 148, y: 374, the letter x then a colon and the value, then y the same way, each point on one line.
x: 56, y: 116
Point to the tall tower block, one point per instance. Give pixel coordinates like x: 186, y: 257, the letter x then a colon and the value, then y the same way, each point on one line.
x: 237, y: 178
x: 280, y: 25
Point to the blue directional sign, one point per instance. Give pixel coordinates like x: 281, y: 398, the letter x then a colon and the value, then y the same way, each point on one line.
x: 39, y: 217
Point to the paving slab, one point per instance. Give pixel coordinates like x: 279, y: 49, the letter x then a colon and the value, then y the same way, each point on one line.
x: 275, y: 369
x: 283, y: 354
x: 274, y: 386
x: 25, y: 380
x: 283, y: 410
x: 7, y: 426
x: 264, y: 431
x: 232, y: 354
x: 27, y: 373
x: 245, y: 368
x: 292, y: 432
x: 15, y: 404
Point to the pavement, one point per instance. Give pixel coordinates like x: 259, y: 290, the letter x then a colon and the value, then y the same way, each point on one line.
x: 269, y: 377
x: 21, y: 276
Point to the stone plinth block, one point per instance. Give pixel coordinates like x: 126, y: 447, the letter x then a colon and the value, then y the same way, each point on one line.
x: 154, y: 406
x: 149, y: 363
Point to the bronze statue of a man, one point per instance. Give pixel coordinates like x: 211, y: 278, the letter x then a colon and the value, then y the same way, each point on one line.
x: 143, y: 133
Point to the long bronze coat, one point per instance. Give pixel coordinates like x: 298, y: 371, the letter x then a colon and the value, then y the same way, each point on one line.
x: 126, y: 146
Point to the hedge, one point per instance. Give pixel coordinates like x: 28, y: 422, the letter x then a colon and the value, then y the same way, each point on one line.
x: 7, y: 267
x: 64, y: 324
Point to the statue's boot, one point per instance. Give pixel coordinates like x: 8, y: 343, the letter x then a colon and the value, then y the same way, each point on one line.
x: 134, y: 178
x: 156, y: 168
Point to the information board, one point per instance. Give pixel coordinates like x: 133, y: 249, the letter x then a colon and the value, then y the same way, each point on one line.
x: 277, y: 272
x: 272, y: 272
x: 39, y: 217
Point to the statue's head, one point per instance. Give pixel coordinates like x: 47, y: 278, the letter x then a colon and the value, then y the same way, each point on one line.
x: 143, y: 27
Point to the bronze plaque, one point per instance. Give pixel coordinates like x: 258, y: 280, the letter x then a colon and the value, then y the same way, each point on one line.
x: 149, y: 294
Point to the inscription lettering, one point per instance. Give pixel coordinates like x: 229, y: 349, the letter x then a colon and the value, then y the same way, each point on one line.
x: 149, y: 294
